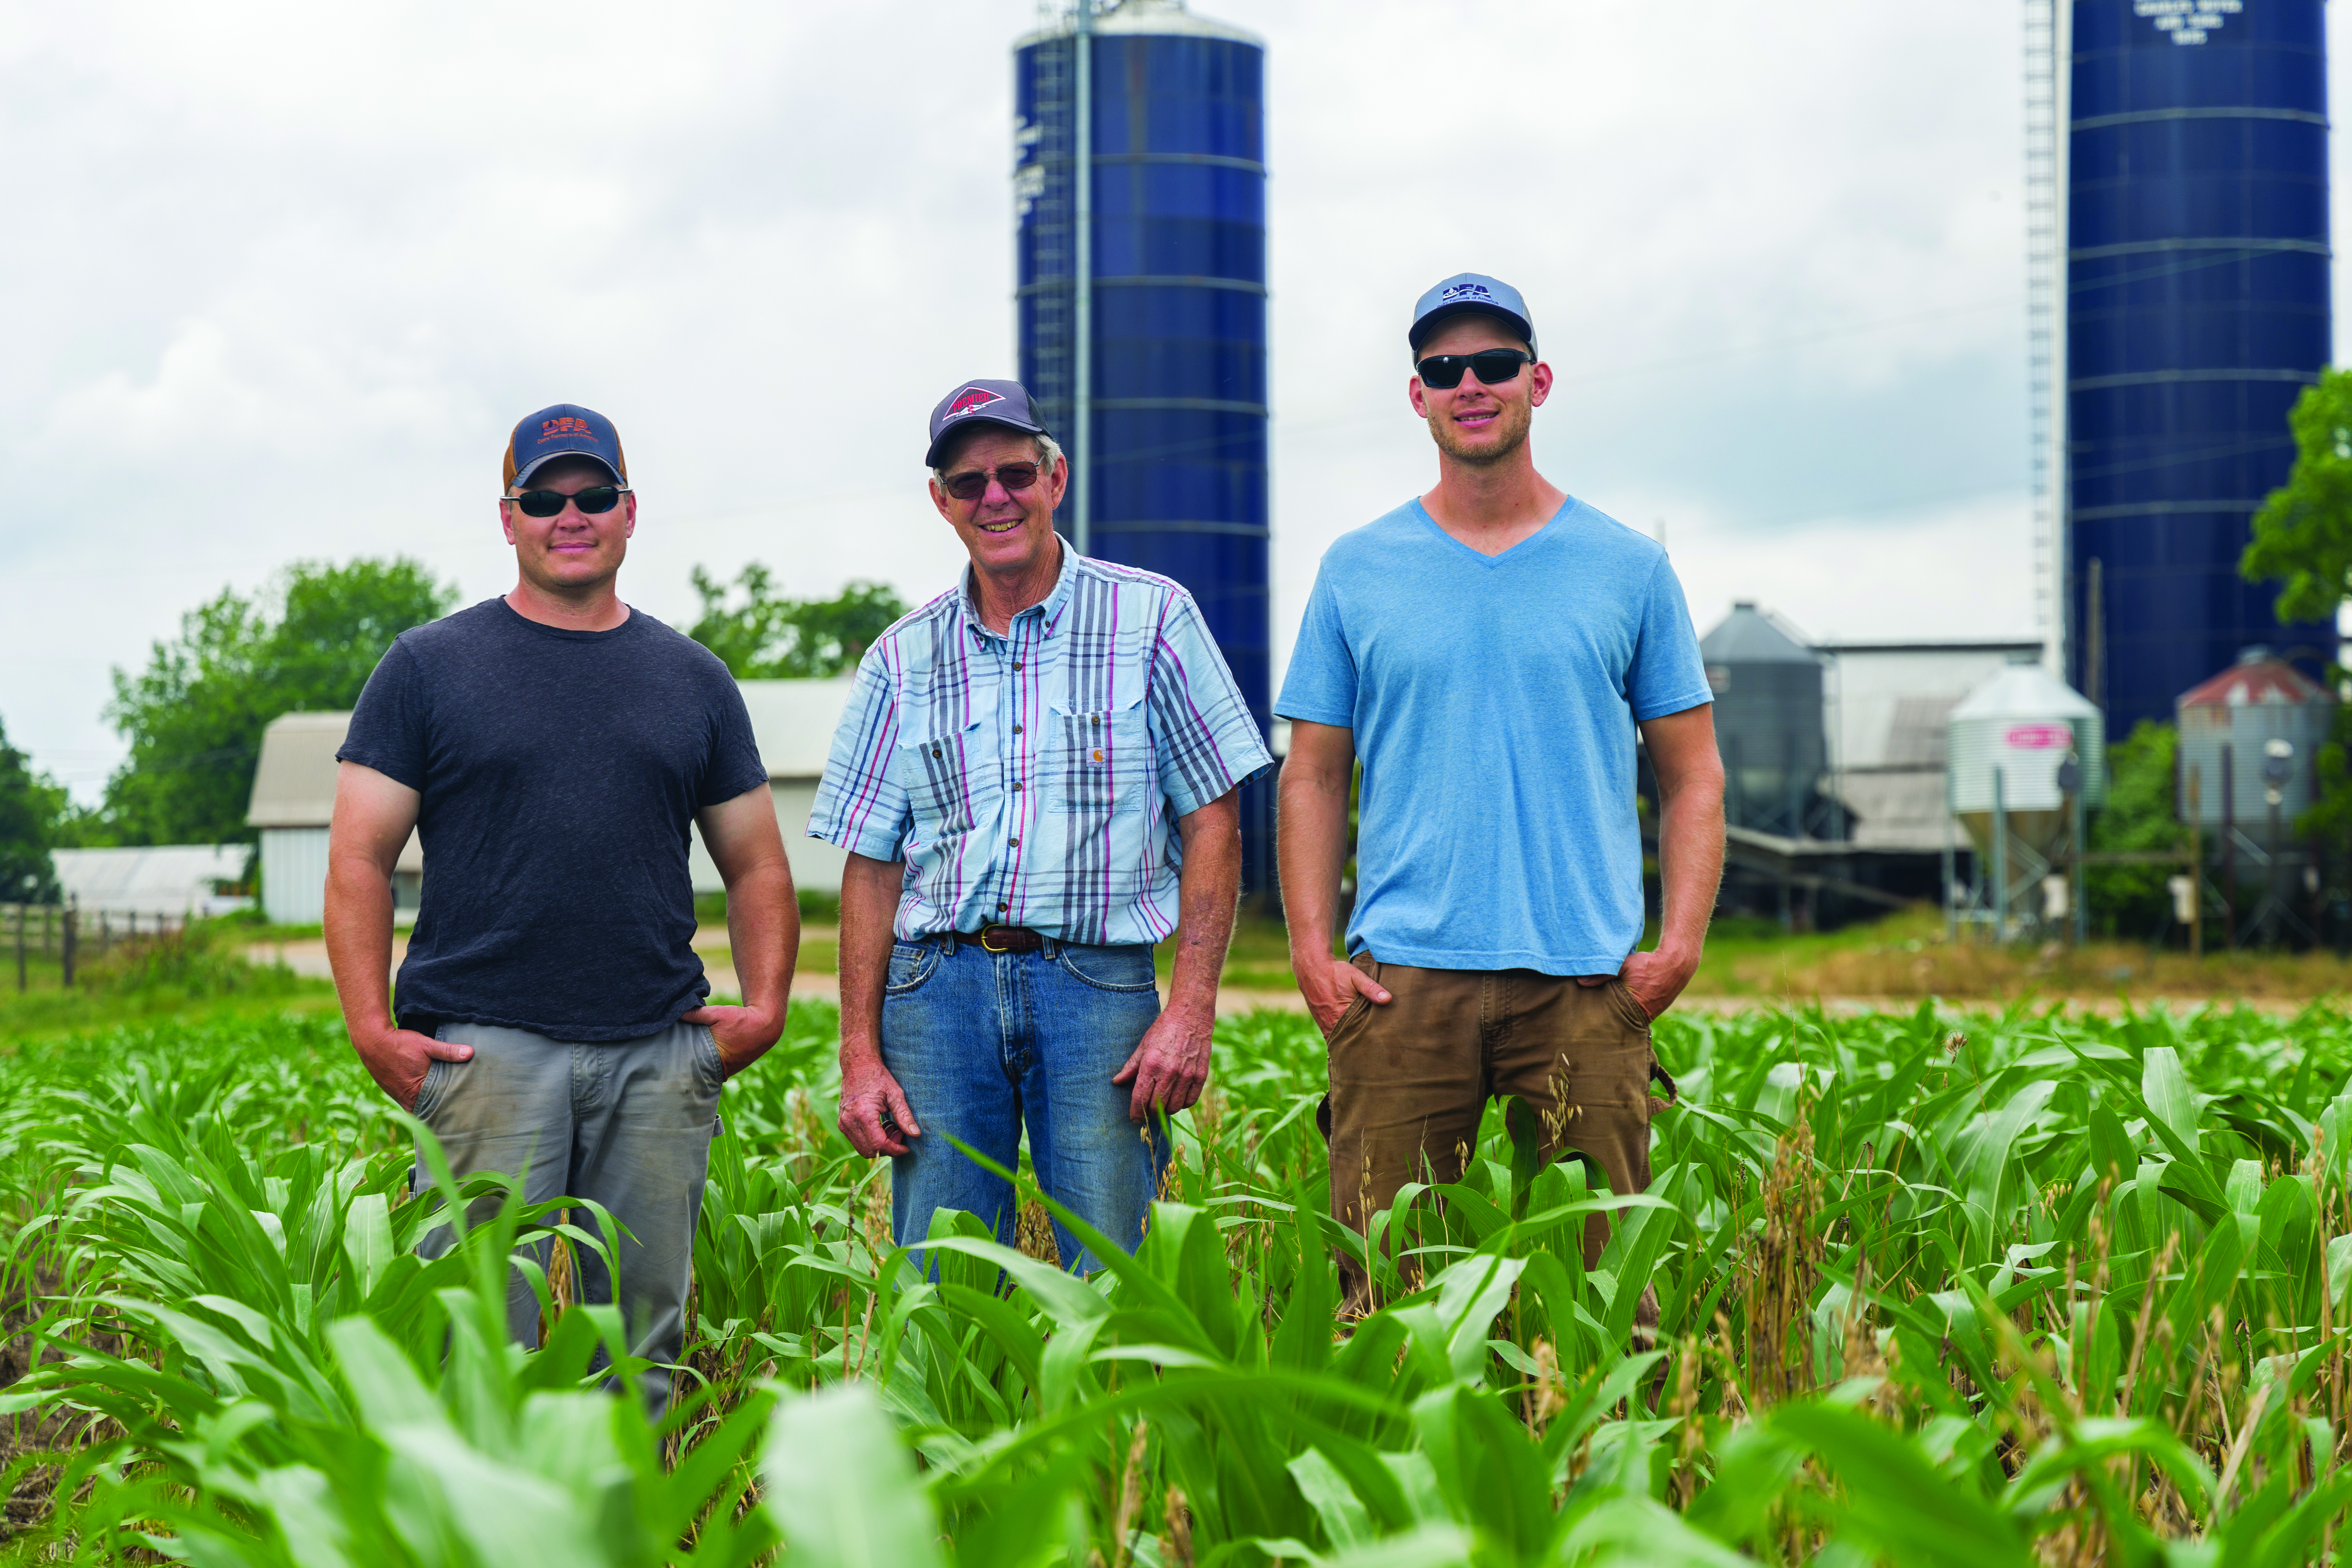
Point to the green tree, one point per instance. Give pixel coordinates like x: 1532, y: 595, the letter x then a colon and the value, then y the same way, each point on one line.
x: 2303, y: 540
x: 2133, y: 900
x: 32, y: 808
x: 2303, y: 534
x: 194, y: 715
x: 770, y: 638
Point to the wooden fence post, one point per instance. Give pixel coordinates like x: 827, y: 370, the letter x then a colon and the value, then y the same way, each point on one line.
x: 66, y: 948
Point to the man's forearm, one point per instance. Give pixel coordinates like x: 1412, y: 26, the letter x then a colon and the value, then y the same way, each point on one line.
x: 359, y: 943
x: 1207, y: 889
x: 763, y: 931
x: 869, y: 902
x: 1690, y: 867
x: 1311, y: 848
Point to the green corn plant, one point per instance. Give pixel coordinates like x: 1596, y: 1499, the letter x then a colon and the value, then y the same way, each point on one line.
x: 2009, y: 1286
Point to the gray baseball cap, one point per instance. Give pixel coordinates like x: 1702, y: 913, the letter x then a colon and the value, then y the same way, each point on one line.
x: 1468, y: 291
x: 1005, y: 403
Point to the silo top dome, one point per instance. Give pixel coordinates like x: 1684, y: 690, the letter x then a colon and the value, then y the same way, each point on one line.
x: 2266, y: 679
x: 2025, y: 691
x: 1162, y: 18
x: 1750, y: 635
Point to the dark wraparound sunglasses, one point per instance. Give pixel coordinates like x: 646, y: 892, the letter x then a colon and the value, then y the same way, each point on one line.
x: 1493, y: 367
x: 595, y: 501
x: 972, y: 485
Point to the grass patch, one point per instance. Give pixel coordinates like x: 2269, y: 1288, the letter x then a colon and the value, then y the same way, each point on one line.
x: 201, y: 972
x: 1906, y: 956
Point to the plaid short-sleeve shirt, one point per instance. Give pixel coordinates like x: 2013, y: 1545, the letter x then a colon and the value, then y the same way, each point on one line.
x: 1035, y: 779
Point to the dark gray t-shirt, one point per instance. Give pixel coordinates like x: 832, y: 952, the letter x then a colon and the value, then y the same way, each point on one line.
x: 559, y: 771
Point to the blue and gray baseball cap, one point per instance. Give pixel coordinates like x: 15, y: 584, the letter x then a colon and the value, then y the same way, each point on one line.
x: 1466, y: 291
x: 563, y: 430
x: 1005, y: 403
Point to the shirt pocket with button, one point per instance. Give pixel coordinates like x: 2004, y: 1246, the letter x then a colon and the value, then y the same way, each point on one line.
x: 1098, y: 762
x: 945, y: 778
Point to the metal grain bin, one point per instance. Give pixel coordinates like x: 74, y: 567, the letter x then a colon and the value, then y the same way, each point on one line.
x: 1767, y: 722
x: 2018, y: 728
x: 1140, y: 308
x: 2229, y: 726
x: 2197, y: 312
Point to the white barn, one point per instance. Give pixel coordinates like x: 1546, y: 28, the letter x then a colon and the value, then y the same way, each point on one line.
x: 294, y: 799
x: 792, y: 720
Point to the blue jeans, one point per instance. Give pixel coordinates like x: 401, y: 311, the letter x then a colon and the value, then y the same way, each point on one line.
x: 985, y: 1042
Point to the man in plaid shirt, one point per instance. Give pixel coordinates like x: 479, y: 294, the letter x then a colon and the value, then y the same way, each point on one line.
x: 1034, y: 780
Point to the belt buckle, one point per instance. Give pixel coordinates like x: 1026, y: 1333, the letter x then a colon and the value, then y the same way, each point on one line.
x: 986, y: 945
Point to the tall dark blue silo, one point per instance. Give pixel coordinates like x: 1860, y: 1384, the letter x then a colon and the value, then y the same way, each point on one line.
x: 1140, y: 294
x: 2197, y: 310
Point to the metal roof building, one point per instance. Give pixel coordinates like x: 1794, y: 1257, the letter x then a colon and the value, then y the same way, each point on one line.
x: 1888, y: 706
x: 294, y: 799
x: 292, y: 802
x: 794, y: 722
x: 161, y: 880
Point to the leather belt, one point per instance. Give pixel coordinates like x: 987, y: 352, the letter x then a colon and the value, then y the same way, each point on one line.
x: 1002, y: 939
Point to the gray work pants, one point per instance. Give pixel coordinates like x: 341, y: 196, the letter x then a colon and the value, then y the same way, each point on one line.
x: 624, y: 1124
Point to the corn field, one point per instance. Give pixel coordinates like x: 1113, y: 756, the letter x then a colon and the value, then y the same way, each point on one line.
x: 1933, y: 1288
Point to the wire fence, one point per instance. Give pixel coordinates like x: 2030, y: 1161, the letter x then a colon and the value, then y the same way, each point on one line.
x: 66, y: 934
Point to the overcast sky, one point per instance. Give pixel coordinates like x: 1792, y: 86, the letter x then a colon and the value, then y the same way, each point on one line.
x: 279, y: 278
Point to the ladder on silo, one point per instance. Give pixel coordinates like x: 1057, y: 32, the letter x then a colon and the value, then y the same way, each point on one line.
x: 1052, y: 228
x: 2044, y: 323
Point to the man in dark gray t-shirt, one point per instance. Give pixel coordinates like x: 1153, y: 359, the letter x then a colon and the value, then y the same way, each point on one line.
x: 550, y: 748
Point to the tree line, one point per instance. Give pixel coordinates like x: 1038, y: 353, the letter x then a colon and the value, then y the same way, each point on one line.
x: 306, y: 641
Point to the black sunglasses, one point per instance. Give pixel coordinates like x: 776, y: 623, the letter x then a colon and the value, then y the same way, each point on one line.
x: 595, y: 501
x: 974, y: 484
x: 1493, y: 367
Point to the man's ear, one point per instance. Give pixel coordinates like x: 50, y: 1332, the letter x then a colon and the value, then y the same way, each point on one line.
x: 505, y: 520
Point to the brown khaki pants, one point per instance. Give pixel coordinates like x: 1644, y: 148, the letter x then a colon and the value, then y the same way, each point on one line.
x: 1410, y: 1081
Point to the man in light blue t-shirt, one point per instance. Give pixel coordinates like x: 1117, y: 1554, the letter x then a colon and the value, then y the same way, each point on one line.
x: 1489, y: 652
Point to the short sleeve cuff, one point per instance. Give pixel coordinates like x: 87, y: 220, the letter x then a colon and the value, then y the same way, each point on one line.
x: 1183, y: 803
x: 1666, y: 707
x: 393, y: 768
x: 1299, y: 713
x: 734, y: 789
x: 872, y: 843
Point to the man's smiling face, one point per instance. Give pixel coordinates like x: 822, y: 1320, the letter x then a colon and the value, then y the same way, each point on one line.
x: 1474, y: 423
x: 573, y: 550
x: 1005, y: 531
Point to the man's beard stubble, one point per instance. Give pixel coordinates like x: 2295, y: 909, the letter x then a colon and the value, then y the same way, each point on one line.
x: 1515, y: 418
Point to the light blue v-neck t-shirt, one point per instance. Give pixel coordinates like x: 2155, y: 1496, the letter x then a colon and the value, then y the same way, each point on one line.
x: 1493, y: 700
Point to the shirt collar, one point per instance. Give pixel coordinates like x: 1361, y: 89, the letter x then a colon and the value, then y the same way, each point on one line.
x: 1048, y: 609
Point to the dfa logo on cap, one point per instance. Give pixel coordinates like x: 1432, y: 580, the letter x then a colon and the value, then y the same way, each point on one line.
x: 970, y: 399
x: 567, y: 425
x: 1466, y: 291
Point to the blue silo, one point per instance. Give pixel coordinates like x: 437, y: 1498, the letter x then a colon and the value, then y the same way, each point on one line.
x: 1140, y: 295
x: 2197, y: 310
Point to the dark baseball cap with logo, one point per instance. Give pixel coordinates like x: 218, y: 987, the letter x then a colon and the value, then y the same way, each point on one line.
x: 1466, y: 292
x: 563, y: 431
x: 1005, y: 403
